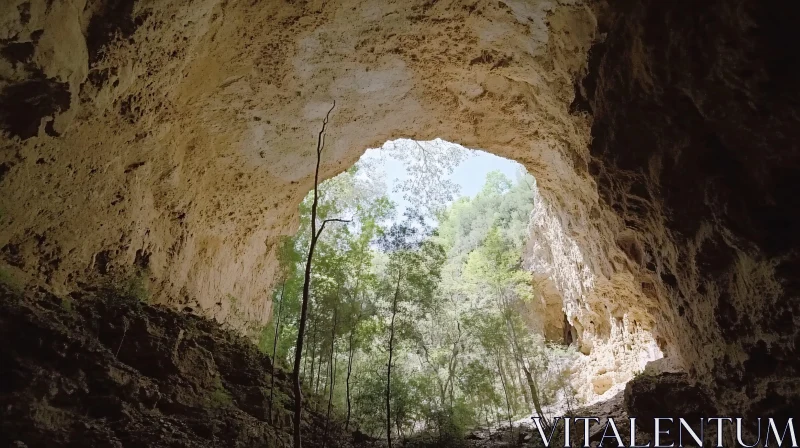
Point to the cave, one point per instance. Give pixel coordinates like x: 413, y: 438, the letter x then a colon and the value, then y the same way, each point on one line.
x: 178, y: 139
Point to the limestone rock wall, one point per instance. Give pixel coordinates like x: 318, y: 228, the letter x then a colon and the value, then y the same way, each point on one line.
x: 601, y: 299
x: 182, y: 137
x: 695, y: 146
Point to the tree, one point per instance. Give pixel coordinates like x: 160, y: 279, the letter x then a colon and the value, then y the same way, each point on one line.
x: 428, y: 164
x: 314, y: 234
x: 413, y: 268
x: 389, y: 296
x: 287, y: 257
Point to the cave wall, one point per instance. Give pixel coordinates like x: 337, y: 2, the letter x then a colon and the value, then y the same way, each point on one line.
x: 600, y: 297
x: 177, y: 139
x: 695, y: 146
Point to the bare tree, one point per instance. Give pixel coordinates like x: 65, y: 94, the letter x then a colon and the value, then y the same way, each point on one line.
x: 315, y: 234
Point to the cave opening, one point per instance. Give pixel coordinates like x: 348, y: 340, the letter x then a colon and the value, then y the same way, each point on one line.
x: 165, y: 156
x: 422, y: 271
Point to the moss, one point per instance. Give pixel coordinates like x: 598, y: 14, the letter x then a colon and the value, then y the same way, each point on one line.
x: 219, y: 397
x: 66, y: 304
x: 136, y: 287
x: 12, y: 282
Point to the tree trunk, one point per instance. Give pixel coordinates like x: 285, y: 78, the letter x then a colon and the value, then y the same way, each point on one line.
x: 301, y: 330
x: 319, y: 371
x: 535, y: 394
x: 389, y: 366
x: 512, y: 386
x: 350, y: 353
x: 275, y: 348
x: 306, y: 369
x: 312, y: 370
x: 331, y: 379
x: 351, y: 347
x: 451, y: 366
x: 515, y: 349
x: 505, y: 392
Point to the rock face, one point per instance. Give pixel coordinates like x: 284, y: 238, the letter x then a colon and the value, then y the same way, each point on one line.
x: 669, y: 395
x: 600, y: 307
x: 177, y: 140
x: 180, y: 139
x: 107, y: 370
x: 695, y: 147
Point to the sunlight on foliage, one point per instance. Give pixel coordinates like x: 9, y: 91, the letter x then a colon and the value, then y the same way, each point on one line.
x: 442, y: 298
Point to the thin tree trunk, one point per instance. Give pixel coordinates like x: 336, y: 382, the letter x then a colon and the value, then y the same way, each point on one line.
x: 518, y: 373
x: 298, y: 353
x: 535, y: 394
x: 513, y: 388
x: 505, y: 392
x: 351, y: 347
x: 531, y: 382
x: 310, y: 380
x: 305, y: 369
x: 516, y: 353
x: 319, y: 371
x: 275, y: 348
x: 451, y: 366
x: 350, y: 353
x: 331, y: 379
x: 389, y: 366
x: 505, y: 310
x: 488, y: 425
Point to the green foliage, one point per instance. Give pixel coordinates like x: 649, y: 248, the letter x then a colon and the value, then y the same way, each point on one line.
x: 232, y: 299
x: 428, y: 164
x: 450, y: 298
x: 452, y: 423
x: 219, y: 396
x: 132, y: 288
x: 265, y: 339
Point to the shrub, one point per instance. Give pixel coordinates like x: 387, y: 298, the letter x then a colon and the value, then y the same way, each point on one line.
x: 131, y: 289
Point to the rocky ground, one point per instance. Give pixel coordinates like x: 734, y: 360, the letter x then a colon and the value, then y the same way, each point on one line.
x: 102, y: 368
x: 106, y: 370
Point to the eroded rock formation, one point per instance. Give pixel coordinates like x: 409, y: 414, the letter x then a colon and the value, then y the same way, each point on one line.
x: 695, y: 147
x: 106, y: 370
x: 177, y: 140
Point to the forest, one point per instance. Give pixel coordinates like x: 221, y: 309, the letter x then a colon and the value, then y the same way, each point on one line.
x: 417, y: 316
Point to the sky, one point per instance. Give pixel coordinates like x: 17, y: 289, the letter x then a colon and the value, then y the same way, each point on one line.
x: 469, y: 174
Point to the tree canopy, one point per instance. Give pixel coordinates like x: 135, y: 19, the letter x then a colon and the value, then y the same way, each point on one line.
x: 418, y: 323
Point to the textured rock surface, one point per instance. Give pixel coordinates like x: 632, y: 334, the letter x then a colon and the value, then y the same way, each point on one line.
x: 602, y: 302
x: 179, y: 139
x: 109, y: 371
x: 695, y: 146
x: 669, y: 395
x: 186, y: 137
